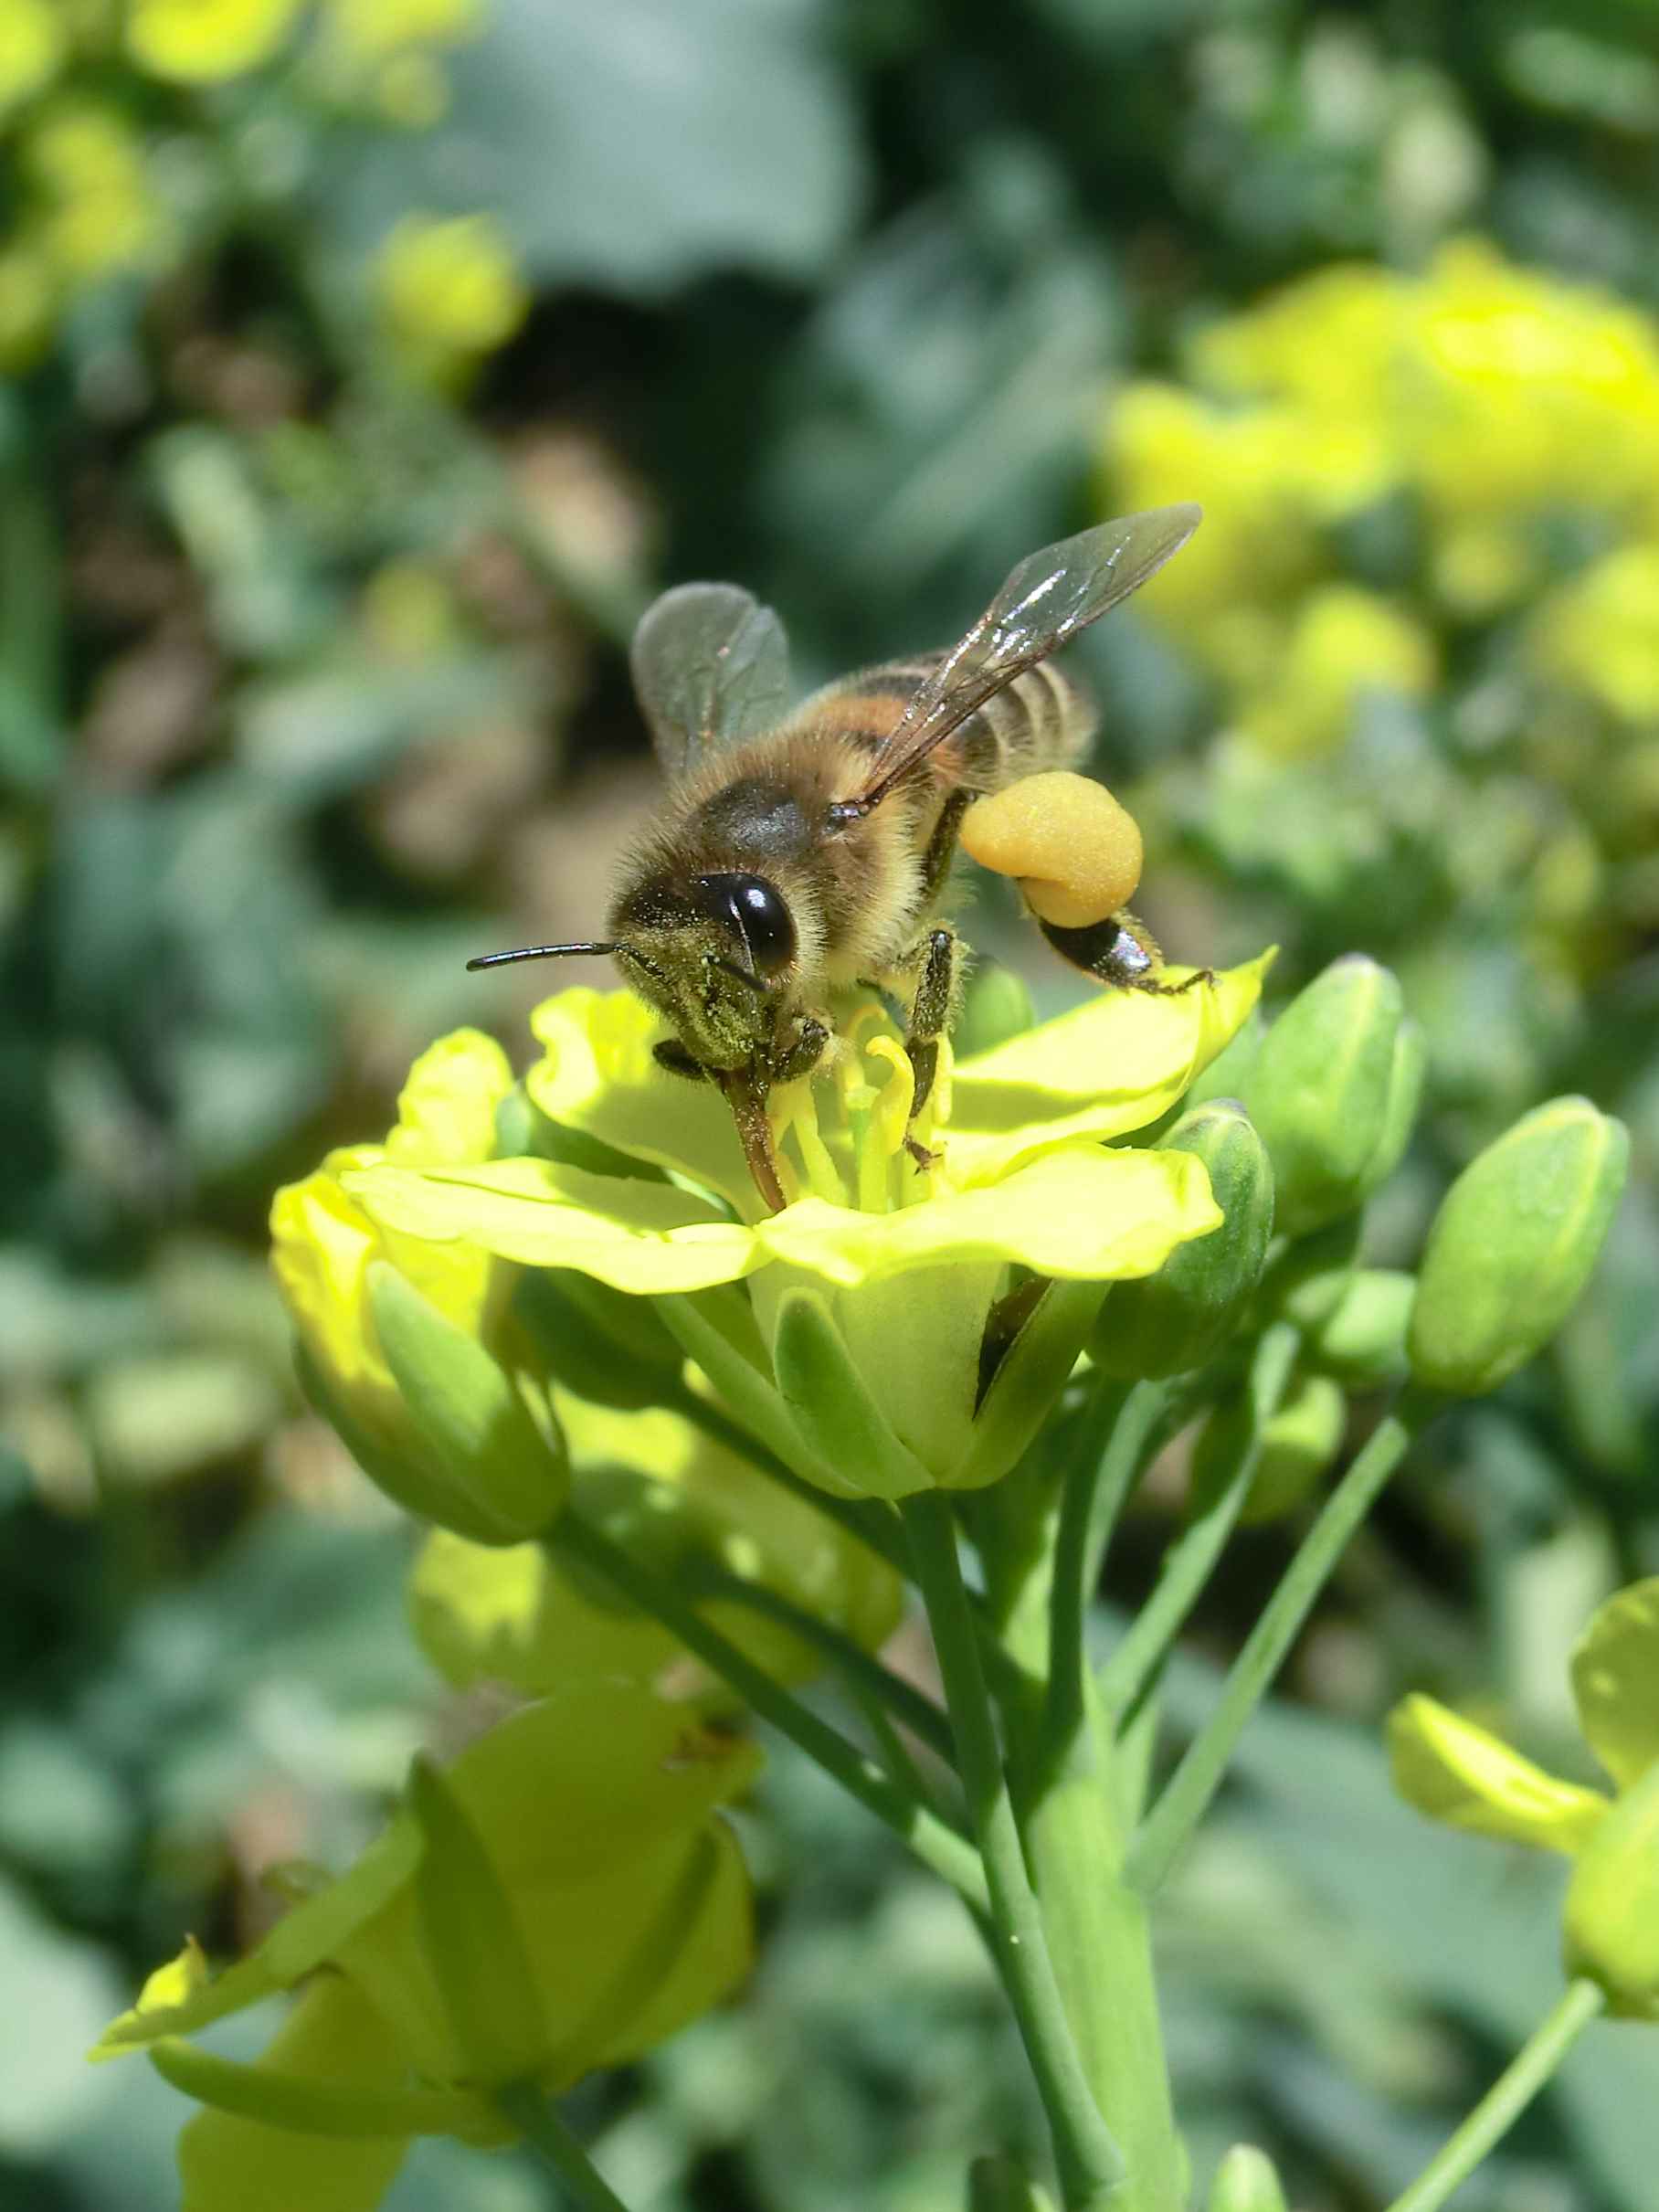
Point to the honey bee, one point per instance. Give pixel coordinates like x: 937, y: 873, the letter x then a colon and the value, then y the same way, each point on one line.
x: 799, y: 854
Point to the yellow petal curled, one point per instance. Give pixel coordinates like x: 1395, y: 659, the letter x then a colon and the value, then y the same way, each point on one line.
x: 1459, y: 1773
x: 1112, y: 1066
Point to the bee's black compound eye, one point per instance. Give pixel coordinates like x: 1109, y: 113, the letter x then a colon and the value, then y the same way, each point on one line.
x: 755, y: 913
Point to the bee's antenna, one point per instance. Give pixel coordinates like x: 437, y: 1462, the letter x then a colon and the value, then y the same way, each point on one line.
x: 537, y: 952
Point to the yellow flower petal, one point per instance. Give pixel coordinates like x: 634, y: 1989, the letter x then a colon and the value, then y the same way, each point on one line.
x: 1113, y: 1064
x: 598, y: 1077
x: 1081, y: 1211
x: 1459, y: 1773
x: 1615, y: 1679
x: 636, y: 1236
x: 446, y: 1111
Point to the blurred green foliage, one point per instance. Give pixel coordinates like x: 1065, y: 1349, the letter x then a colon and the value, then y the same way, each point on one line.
x: 367, y: 366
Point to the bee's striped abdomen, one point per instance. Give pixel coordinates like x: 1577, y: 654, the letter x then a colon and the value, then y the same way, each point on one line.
x: 1040, y: 721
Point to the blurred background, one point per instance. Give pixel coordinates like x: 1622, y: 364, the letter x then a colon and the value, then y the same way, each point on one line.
x: 368, y: 365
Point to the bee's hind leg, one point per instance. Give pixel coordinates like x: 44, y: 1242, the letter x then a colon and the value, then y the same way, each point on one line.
x: 1120, y: 950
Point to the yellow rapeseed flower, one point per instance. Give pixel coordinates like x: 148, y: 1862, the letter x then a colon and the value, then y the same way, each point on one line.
x: 868, y: 1297
x: 33, y: 43
x: 450, y: 288
x: 205, y: 41
x: 620, y: 1890
x: 96, y: 211
x: 1458, y: 1773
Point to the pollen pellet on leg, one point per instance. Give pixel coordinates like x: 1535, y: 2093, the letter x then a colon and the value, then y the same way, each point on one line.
x: 1072, y: 849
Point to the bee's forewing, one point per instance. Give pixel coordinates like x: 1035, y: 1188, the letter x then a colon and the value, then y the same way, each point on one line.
x: 1047, y: 599
x: 710, y: 664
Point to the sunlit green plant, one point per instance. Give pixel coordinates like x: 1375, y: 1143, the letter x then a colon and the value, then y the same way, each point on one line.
x: 555, y: 1320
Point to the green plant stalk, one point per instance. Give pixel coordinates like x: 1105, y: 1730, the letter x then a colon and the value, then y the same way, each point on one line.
x: 1186, y: 1795
x: 1509, y: 2097
x: 934, y: 1841
x: 1127, y: 1675
x: 554, y: 2142
x: 1136, y: 1433
x: 903, y: 1700
x: 1088, y: 2161
x: 1066, y: 1806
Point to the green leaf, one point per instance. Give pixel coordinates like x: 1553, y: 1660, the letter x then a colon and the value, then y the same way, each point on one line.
x: 638, y: 145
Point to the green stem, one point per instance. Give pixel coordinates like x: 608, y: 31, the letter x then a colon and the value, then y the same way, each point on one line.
x: 934, y: 1841
x: 1135, y: 1436
x: 1090, y: 2164
x: 917, y: 1712
x: 1509, y: 2097
x: 873, y: 1523
x: 1195, y: 1782
x: 548, y: 2135
x: 1095, y: 1481
x: 1129, y: 1673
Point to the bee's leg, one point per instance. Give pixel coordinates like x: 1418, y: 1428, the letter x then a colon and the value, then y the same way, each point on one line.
x: 1119, y: 950
x: 670, y: 1053
x: 942, y: 845
x: 936, y: 962
x: 803, y: 1052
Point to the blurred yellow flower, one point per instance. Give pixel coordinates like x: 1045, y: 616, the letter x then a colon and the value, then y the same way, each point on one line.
x: 97, y: 212
x: 1458, y: 1773
x: 1343, y: 643
x: 33, y: 42
x: 1487, y: 397
x: 620, y: 1895
x: 205, y: 41
x: 450, y: 288
x: 1600, y: 633
x: 369, y: 30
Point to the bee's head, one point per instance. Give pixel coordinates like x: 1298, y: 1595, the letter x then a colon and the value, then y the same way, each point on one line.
x: 711, y: 952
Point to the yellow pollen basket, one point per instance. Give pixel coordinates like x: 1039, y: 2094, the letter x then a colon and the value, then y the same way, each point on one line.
x: 1072, y: 850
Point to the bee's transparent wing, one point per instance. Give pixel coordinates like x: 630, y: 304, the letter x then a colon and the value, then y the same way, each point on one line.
x: 710, y: 664
x: 1047, y: 599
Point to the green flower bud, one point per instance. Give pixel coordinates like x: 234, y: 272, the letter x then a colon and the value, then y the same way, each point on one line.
x: 1246, y: 2181
x: 1165, y: 1323
x: 1362, y: 1342
x: 1611, y: 1919
x: 1406, y: 1073
x: 1329, y: 1091
x: 1298, y: 1443
x: 996, y: 1006
x: 471, y: 1422
x: 1513, y: 1245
